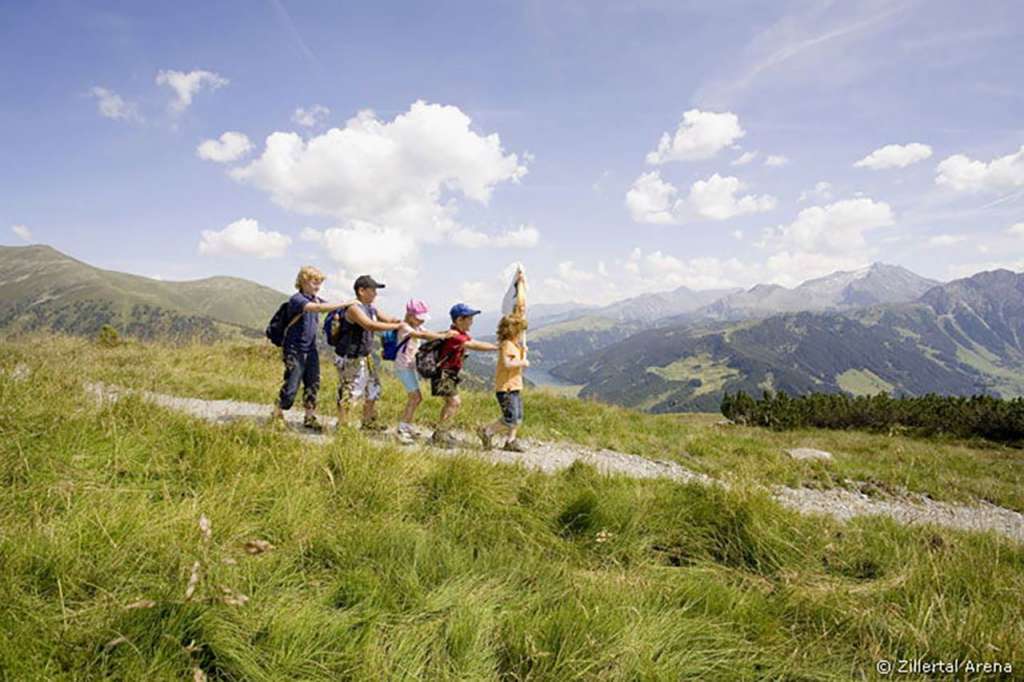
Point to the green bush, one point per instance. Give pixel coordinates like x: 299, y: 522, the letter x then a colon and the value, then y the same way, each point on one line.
x: 981, y: 416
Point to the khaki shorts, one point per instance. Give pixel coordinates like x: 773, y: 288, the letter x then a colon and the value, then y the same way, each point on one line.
x: 357, y: 379
x: 445, y: 384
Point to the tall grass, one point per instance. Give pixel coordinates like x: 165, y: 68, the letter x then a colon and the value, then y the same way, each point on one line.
x: 390, y: 563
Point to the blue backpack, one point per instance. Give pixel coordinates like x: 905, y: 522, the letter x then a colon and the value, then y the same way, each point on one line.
x: 390, y: 344
x: 332, y: 324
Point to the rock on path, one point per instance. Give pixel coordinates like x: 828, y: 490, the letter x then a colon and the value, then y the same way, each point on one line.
x: 551, y: 457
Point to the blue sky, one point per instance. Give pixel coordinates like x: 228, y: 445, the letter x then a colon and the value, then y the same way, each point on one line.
x: 613, y: 148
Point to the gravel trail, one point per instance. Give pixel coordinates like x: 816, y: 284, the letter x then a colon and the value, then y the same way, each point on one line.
x: 551, y: 457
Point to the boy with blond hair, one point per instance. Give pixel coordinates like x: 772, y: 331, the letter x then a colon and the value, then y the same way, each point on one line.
x: 299, y: 352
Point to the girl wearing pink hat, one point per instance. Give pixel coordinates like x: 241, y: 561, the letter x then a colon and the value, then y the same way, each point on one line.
x: 410, y: 333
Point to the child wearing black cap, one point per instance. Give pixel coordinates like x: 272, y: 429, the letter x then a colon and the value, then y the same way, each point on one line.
x: 352, y: 337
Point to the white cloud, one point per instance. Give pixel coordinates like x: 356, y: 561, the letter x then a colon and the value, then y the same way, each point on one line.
x: 665, y: 271
x: 391, y: 174
x: 477, y: 290
x: 653, y: 200
x: 744, y: 159
x: 776, y: 161
x: 311, y: 117
x: 822, y: 190
x: 23, y: 232
x: 244, y: 238
x: 834, y: 228
x: 364, y: 247
x: 187, y: 85
x: 524, y: 236
x: 112, y: 105
x: 569, y: 273
x: 940, y: 240
x: 231, y: 147
x: 715, y: 198
x: 895, y: 156
x: 963, y: 174
x: 1016, y: 230
x: 700, y: 135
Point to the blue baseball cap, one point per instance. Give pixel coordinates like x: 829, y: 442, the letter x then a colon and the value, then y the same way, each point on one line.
x: 462, y: 310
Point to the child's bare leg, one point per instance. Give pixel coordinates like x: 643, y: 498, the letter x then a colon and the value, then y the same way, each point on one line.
x: 369, y: 411
x: 451, y: 406
x: 412, y: 402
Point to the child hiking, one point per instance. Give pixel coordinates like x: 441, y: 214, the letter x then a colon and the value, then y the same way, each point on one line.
x: 410, y: 333
x: 508, y: 384
x: 508, y: 375
x: 445, y: 383
x: 351, y: 334
x: 298, y: 346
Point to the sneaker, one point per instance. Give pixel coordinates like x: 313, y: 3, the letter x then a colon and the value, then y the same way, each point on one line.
x: 312, y: 423
x: 485, y: 437
x: 405, y: 437
x: 514, y: 446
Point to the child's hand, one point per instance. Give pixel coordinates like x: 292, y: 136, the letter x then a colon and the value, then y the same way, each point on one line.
x: 526, y: 363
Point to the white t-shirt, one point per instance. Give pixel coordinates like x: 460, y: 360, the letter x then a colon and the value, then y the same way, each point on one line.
x: 406, y: 358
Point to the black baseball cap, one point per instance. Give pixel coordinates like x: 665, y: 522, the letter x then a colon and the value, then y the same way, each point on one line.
x: 366, y: 282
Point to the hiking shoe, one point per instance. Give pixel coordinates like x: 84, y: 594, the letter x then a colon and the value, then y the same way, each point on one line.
x: 375, y: 426
x: 485, y: 437
x: 312, y: 423
x: 443, y: 439
x: 405, y: 437
x: 514, y: 446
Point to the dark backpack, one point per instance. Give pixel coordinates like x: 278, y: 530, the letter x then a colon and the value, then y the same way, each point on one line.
x: 390, y: 344
x: 428, y: 358
x: 279, y: 325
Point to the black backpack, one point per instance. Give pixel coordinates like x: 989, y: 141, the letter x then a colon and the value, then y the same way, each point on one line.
x: 279, y: 324
x: 428, y: 358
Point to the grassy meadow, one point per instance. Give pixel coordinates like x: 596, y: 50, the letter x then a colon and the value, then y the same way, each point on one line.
x: 389, y: 563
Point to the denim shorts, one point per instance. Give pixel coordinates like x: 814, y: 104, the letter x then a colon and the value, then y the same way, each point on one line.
x: 511, y: 407
x: 409, y: 378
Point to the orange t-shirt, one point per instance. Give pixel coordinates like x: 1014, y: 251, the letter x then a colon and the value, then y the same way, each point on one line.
x: 508, y: 378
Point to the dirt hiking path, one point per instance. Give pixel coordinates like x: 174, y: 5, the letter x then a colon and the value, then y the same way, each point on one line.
x: 551, y: 457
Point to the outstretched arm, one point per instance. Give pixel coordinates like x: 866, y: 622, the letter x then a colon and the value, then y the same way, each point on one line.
x: 433, y: 336
x: 355, y: 314
x: 480, y: 345
x: 327, y: 307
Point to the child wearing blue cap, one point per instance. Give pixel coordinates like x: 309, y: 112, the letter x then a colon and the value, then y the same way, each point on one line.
x: 445, y: 384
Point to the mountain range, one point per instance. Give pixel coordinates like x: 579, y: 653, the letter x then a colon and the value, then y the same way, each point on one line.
x: 578, y: 334
x: 964, y: 337
x: 877, y: 283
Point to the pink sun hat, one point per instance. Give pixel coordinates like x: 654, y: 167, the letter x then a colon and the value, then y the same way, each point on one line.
x: 418, y: 309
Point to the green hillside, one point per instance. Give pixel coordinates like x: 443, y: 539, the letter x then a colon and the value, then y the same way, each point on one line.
x: 41, y: 288
x: 391, y: 563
